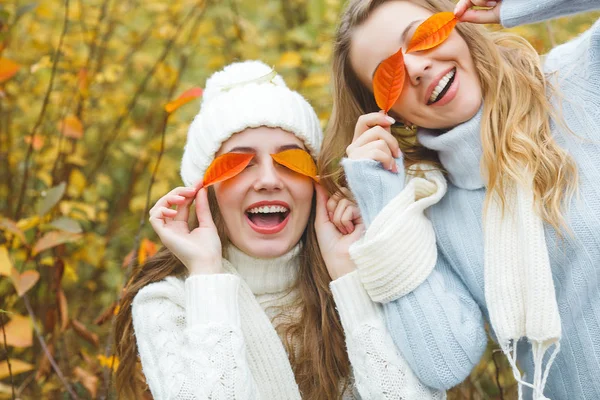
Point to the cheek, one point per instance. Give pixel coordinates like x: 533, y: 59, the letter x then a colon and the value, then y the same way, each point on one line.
x: 302, y: 193
x: 229, y: 198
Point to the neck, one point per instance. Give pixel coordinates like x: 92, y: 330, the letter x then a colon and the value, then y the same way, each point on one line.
x: 459, y: 150
x: 266, y: 275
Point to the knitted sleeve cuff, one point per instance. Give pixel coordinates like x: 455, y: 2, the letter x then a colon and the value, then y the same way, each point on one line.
x: 353, y: 302
x: 212, y: 298
x: 398, y: 251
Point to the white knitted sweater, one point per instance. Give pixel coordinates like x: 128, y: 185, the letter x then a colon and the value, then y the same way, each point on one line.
x: 212, y: 336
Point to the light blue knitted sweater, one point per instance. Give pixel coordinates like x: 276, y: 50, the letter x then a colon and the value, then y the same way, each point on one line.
x: 439, y: 326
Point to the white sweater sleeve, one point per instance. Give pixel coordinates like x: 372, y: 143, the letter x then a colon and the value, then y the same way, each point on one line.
x: 193, y: 350
x: 379, y: 370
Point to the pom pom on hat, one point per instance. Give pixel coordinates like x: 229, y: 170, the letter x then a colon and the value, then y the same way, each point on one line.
x: 245, y: 95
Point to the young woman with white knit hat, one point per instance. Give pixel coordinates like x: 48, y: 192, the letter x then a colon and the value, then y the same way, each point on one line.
x: 242, y: 303
x: 503, y: 241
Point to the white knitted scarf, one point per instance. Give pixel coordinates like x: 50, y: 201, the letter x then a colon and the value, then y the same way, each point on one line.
x: 519, y: 290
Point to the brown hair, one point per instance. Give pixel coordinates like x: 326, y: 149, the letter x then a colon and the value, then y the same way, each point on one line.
x: 320, y: 365
x: 515, y: 130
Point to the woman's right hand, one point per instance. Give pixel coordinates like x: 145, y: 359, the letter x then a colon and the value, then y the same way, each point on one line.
x: 199, y: 249
x: 373, y: 140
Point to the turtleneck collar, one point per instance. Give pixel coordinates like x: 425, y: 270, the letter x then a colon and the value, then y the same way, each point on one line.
x: 266, y: 275
x: 459, y: 150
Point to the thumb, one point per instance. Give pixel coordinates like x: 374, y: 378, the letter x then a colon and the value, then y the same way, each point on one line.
x: 202, y: 209
x: 321, y: 215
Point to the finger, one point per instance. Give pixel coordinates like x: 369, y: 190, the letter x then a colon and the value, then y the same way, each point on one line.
x: 374, y: 134
x: 347, y: 218
x: 367, y: 121
x: 183, y: 209
x: 338, y: 214
x: 376, y: 154
x: 332, y: 204
x: 321, y: 213
x: 202, y: 209
x: 461, y: 7
x: 490, y: 16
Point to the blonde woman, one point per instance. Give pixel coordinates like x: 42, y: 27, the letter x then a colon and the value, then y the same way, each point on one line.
x: 242, y: 304
x: 502, y: 240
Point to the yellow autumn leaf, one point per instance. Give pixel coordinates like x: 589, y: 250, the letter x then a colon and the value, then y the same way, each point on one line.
x: 17, y: 367
x: 290, y: 59
x: 108, y: 361
x: 5, y: 263
x: 77, y: 183
x: 28, y: 223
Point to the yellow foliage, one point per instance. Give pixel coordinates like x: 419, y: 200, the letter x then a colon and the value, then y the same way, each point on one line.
x: 76, y: 183
x: 107, y: 362
x: 290, y: 59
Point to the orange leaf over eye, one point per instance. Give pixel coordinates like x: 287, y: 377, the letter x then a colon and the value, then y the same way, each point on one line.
x: 298, y: 161
x: 433, y: 31
x: 389, y: 80
x: 184, y: 98
x: 225, y: 167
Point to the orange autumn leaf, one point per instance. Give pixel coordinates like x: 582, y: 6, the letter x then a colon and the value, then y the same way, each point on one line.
x: 225, y: 167
x: 8, y: 69
x: 297, y: 160
x: 19, y: 331
x: 147, y: 249
x: 184, y: 98
x: 71, y: 127
x: 433, y: 31
x: 389, y: 80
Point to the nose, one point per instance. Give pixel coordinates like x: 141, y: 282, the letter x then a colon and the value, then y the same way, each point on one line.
x: 268, y: 178
x: 417, y: 65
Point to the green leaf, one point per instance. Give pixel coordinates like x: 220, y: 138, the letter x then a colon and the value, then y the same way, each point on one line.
x: 51, y: 198
x: 67, y: 225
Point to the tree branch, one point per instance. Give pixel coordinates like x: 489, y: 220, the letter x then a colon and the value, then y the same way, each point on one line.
x: 46, y: 351
x: 17, y: 214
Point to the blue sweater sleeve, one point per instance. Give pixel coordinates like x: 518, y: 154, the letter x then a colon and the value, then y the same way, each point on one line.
x: 438, y: 327
x: 519, y: 12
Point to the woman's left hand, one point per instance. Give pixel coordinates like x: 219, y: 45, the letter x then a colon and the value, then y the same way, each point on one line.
x: 490, y: 15
x: 333, y: 242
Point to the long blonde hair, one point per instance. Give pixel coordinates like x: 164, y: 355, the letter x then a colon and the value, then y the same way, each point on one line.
x: 515, y: 129
x: 320, y: 364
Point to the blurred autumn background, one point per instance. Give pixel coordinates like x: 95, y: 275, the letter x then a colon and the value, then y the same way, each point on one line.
x: 87, y: 145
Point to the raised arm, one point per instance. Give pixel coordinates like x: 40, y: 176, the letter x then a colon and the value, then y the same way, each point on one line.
x: 191, y: 343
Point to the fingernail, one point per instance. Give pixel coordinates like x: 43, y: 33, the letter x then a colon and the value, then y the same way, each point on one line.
x: 491, y: 3
x: 390, y: 119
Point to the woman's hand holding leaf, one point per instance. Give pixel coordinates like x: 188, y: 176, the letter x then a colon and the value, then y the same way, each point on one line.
x: 489, y: 15
x: 373, y: 140
x: 198, y: 249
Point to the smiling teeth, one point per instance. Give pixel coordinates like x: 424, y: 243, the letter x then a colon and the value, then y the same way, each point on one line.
x: 440, y: 86
x: 268, y: 210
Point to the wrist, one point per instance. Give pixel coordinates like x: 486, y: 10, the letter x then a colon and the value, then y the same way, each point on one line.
x: 205, y: 268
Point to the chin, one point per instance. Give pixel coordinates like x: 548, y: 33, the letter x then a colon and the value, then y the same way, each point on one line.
x: 267, y: 248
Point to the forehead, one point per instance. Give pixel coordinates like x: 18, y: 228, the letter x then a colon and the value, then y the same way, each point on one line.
x: 380, y: 35
x: 261, y: 139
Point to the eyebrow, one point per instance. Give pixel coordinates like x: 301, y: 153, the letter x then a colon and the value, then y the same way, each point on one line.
x: 243, y: 149
x: 402, y: 38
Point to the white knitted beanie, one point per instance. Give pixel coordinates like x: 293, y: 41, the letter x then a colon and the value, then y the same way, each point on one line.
x: 245, y: 95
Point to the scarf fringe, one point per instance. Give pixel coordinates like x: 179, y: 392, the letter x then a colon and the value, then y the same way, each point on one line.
x: 540, y: 373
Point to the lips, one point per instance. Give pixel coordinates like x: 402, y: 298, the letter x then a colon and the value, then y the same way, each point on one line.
x: 268, y: 217
x: 434, y: 83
